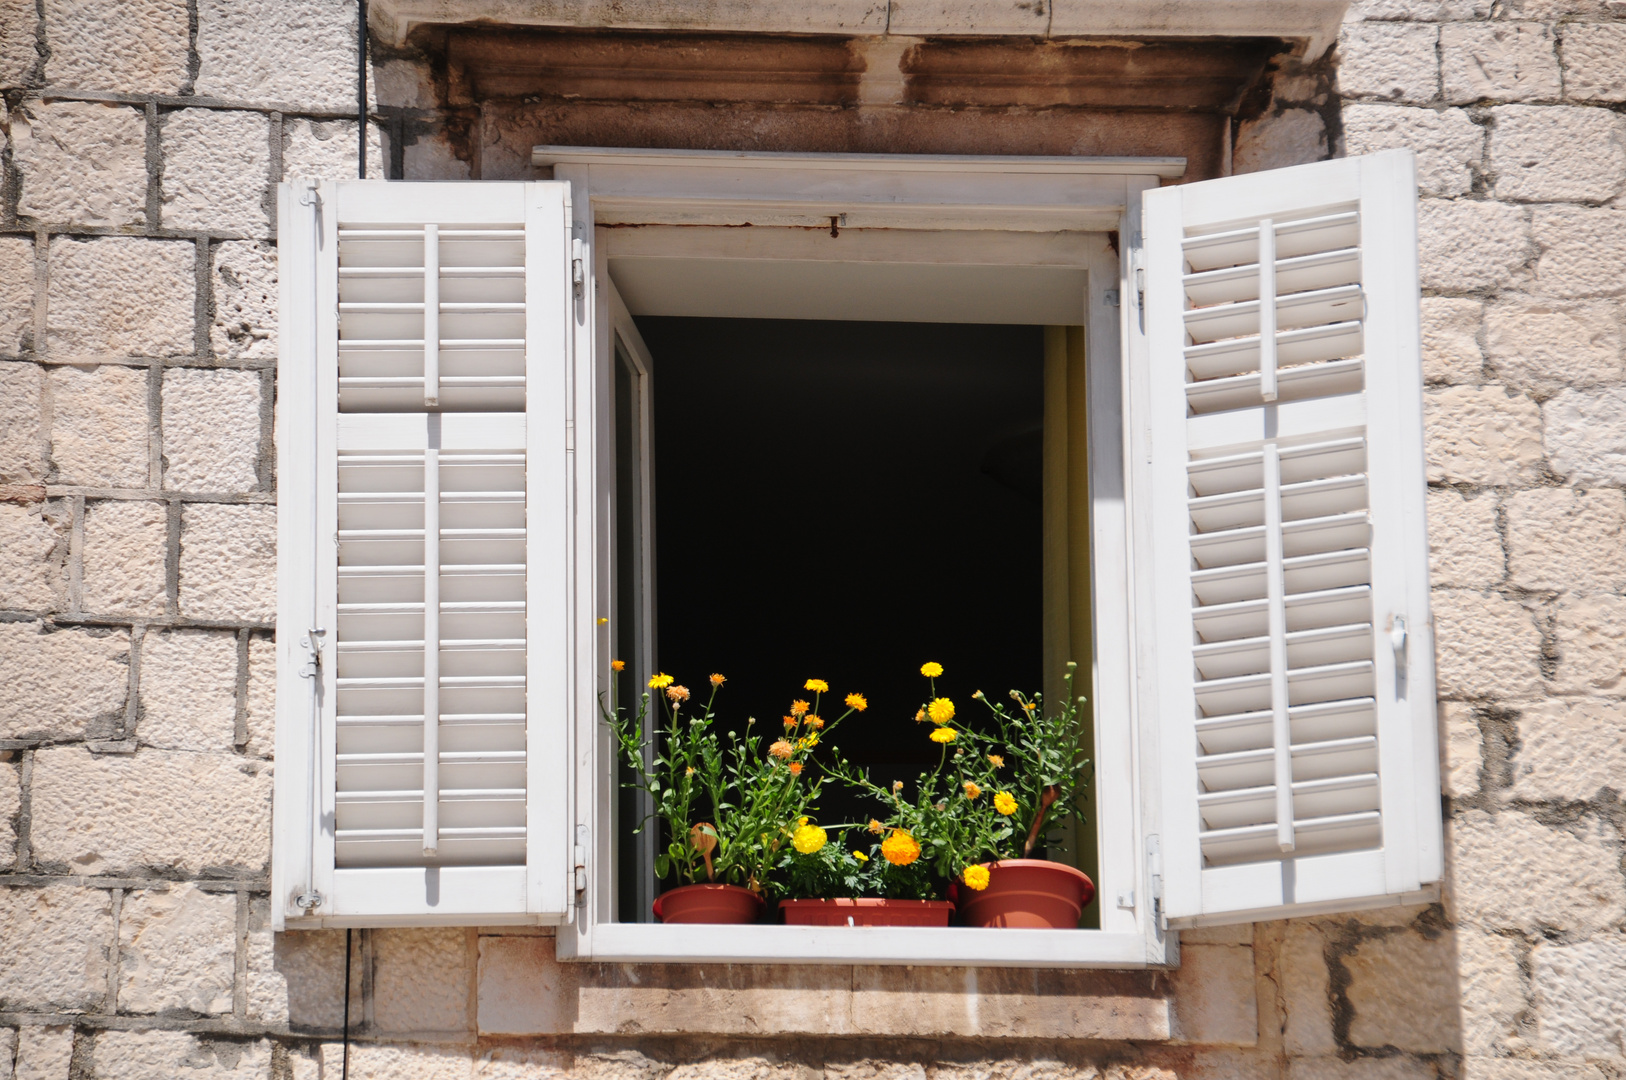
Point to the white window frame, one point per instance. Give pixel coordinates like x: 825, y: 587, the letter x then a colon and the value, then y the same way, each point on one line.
x: 994, y: 207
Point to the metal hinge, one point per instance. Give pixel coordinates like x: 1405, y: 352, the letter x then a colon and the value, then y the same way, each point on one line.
x: 309, y: 901
x: 581, y: 865
x: 1110, y: 298
x: 313, y: 645
x: 578, y: 274
x: 1154, y: 876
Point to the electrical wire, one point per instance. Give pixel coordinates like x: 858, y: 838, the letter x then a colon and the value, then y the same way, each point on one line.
x: 361, y: 88
x: 344, y: 1060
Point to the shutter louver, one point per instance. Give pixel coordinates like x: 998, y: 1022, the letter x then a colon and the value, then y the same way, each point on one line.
x: 437, y: 377
x: 1282, y: 339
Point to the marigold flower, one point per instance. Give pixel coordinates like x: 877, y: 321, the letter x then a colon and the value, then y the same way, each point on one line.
x: 795, y: 768
x: 718, y: 680
x: 860, y: 856
x: 975, y: 877
x: 661, y: 682
x: 618, y: 665
x: 807, y: 743
x: 972, y: 790
x: 678, y: 693
x: 781, y: 749
x: 818, y: 686
x: 931, y: 669
x: 941, y: 710
x: 920, y: 714
x: 876, y: 827
x: 900, y: 848
x: 1005, y: 803
x: 808, y: 838
x: 799, y: 708
x: 944, y: 735
x: 790, y: 721
x: 857, y: 702
x: 996, y: 761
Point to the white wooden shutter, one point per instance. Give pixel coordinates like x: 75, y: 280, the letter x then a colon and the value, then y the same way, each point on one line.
x: 423, y: 484
x: 1294, y: 675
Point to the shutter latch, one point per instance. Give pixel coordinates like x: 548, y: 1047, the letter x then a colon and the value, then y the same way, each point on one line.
x: 577, y: 274
x: 313, y: 645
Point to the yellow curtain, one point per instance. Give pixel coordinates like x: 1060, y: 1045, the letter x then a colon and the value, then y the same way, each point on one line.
x: 1067, y: 614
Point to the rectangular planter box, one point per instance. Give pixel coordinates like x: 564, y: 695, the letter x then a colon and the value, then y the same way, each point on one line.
x: 866, y: 911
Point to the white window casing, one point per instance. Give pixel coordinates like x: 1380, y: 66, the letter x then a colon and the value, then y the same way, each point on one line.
x: 1289, y: 679
x: 423, y: 554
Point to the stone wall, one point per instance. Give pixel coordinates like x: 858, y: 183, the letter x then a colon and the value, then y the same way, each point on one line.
x: 137, y: 355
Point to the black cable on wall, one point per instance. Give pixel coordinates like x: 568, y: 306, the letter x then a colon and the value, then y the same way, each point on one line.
x: 361, y: 88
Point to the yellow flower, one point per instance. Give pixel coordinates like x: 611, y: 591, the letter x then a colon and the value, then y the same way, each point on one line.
x: 900, y: 848
x: 618, y: 665
x: 678, y: 693
x: 808, y: 838
x: 781, y: 749
x: 941, y: 710
x: 807, y: 743
x: 996, y: 761
x: 860, y: 856
x: 858, y: 702
x: 975, y: 877
x: 718, y: 680
x: 972, y: 790
x: 661, y: 682
x: 799, y: 708
x: 1029, y: 706
x: 931, y: 669
x: 689, y: 771
x: 944, y: 735
x: 1005, y: 803
x: 815, y: 723
x: 876, y: 827
x: 818, y: 686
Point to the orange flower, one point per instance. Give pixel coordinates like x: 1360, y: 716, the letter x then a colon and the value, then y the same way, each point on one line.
x: 781, y: 749
x: 718, y: 680
x: 796, y: 768
x: 618, y: 665
x: 678, y: 693
x: 972, y: 790
x: 799, y: 708
x: 815, y: 723
x: 790, y: 721
x: 857, y: 702
x: 900, y: 848
x: 996, y: 761
x: 920, y: 714
x: 876, y: 827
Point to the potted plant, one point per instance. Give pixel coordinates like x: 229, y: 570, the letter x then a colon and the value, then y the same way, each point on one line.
x: 836, y: 884
x: 1035, y: 768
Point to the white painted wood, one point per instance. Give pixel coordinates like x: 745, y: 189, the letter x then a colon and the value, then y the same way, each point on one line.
x: 1298, y: 761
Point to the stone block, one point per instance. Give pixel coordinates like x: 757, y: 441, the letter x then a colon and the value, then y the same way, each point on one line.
x: 217, y: 168
x: 44, y: 1052
x: 177, y: 950
x: 261, y: 704
x: 1557, y: 153
x: 11, y: 802
x: 1234, y: 934
x: 16, y: 299
x: 1577, y: 997
x: 19, y: 58
x: 188, y: 690
x: 1417, y: 10
x: 211, y: 430
x: 310, y: 61
x: 379, y: 1061
x: 1561, y: 539
x: 8, y: 1036
x: 244, y: 323
x: 1581, y: 250
x: 58, y: 940
x: 1524, y: 1068
x: 39, y: 703
x: 1586, y: 435
x: 1462, y: 750
x: 433, y: 157
x: 1451, y: 352
x: 303, y: 982
x: 1214, y: 1000
x: 1464, y: 548
x: 22, y: 444
x: 123, y: 557
x: 133, y: 46
x: 81, y: 163
x: 1545, y: 346
x: 1449, y: 146
x: 229, y: 562
x: 1567, y: 879
x: 421, y: 982
x: 147, y: 1055
x: 1481, y: 435
x: 1277, y: 140
x: 1590, y: 636
x: 1486, y: 646
x: 34, y: 537
x: 994, y: 1003
x: 1484, y: 61
x: 327, y: 148
x: 1467, y: 245
x: 921, y: 17
x: 1570, y: 751
x: 156, y: 809
x: 1302, y: 968
x: 1491, y: 991
x: 99, y: 425
x: 1594, y: 62
x: 533, y: 1063
x: 120, y: 295
x: 1368, y: 1068
x: 1402, y: 991
x: 1389, y: 62
x: 523, y: 990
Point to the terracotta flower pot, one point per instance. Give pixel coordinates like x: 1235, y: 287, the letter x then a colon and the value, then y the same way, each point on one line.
x: 866, y: 911
x: 1026, y: 893
x: 707, y: 903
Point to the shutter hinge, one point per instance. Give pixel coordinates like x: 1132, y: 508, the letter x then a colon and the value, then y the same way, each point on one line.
x: 308, y: 901
x: 581, y: 865
x: 1154, y: 876
x: 578, y: 275
x: 313, y: 645
x: 570, y: 434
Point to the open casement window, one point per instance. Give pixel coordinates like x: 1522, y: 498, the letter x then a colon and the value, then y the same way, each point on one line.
x: 423, y: 553
x: 1289, y: 682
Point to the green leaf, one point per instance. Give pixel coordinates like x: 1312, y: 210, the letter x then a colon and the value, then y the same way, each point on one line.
x: 663, y: 866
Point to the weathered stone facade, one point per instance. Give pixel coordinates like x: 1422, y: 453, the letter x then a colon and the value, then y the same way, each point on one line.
x: 137, y: 583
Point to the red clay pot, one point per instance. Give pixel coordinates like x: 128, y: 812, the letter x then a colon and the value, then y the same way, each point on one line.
x: 866, y: 911
x: 1031, y: 894
x: 707, y: 903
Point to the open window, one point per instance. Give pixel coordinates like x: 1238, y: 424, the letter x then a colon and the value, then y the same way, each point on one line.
x: 1229, y: 537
